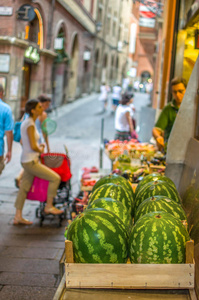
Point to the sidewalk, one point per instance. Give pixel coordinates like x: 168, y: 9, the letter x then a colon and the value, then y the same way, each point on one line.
x: 29, y: 256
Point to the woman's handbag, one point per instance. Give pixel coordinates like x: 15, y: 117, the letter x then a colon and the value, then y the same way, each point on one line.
x: 17, y: 132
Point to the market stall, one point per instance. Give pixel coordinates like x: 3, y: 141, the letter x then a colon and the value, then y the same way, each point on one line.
x: 143, y: 277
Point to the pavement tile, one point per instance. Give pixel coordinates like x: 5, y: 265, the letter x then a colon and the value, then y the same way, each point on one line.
x: 27, y: 279
x: 45, y: 266
x: 47, y: 244
x: 27, y: 293
x: 35, y: 253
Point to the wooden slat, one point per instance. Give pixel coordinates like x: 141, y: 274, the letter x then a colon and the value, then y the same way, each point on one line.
x: 130, y: 276
x: 69, y: 251
x: 190, y: 252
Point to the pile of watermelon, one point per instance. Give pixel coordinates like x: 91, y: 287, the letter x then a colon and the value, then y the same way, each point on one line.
x: 147, y: 226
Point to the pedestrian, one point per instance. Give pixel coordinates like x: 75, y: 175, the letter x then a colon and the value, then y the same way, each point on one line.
x: 6, y: 129
x: 116, y: 96
x: 123, y: 121
x: 43, y: 137
x: 103, y: 98
x: 164, y: 124
x: 32, y: 166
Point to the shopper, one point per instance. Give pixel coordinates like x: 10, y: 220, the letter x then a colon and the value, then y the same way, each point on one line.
x: 116, y: 96
x: 6, y: 129
x: 103, y: 98
x: 165, y: 122
x: 32, y: 166
x: 43, y: 137
x: 123, y: 121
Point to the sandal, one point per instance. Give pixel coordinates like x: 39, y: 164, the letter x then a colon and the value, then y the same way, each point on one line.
x: 22, y: 222
x: 53, y: 210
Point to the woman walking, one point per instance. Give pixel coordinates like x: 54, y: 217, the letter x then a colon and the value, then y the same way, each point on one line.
x: 123, y: 121
x: 32, y: 166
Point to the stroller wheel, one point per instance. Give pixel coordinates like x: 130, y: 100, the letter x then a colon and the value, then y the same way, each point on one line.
x: 37, y: 212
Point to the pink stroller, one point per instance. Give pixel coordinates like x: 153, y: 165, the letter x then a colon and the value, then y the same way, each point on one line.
x: 60, y: 163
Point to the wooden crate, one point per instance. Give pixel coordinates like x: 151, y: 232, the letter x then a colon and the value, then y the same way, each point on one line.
x: 131, y: 276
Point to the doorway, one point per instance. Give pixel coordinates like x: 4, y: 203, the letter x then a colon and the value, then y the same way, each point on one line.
x: 25, y: 86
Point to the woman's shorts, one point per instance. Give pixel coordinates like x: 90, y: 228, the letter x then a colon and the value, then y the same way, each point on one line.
x: 115, y: 101
x: 122, y: 135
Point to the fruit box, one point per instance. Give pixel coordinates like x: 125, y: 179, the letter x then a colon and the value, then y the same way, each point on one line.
x: 131, y: 276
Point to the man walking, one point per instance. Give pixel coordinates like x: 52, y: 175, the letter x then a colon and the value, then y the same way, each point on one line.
x: 6, y: 128
x: 165, y: 122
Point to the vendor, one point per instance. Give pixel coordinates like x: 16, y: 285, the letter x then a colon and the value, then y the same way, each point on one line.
x: 165, y: 122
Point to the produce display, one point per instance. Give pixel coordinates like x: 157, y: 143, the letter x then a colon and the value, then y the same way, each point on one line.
x: 116, y: 207
x: 114, y: 191
x: 158, y: 238
x: 115, y: 148
x: 153, y: 177
x: 98, y: 236
x: 155, y: 188
x: 160, y: 203
x: 113, y: 178
x: 149, y: 227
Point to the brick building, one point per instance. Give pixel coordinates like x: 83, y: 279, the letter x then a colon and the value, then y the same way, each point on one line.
x: 45, y: 46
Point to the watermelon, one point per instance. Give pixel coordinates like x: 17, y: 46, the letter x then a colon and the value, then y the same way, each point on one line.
x: 160, y: 203
x: 153, y: 177
x: 116, y: 179
x: 114, y: 191
x: 156, y: 188
x: 116, y: 207
x: 158, y: 238
x: 98, y: 236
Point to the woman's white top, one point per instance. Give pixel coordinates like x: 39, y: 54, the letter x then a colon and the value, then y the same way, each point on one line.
x: 121, y: 122
x: 28, y: 154
x: 116, y: 94
x: 103, y: 93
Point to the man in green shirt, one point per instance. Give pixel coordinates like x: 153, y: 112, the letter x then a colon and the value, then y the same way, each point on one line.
x: 165, y: 122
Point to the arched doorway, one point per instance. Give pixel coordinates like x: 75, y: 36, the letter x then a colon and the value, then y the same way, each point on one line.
x: 60, y: 68
x: 96, y: 79
x: 34, y: 35
x: 104, y: 68
x: 72, y: 88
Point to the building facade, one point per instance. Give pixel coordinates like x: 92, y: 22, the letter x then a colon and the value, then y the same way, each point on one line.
x: 111, y: 42
x: 46, y: 47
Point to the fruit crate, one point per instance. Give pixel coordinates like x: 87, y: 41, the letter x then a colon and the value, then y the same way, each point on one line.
x: 131, y: 276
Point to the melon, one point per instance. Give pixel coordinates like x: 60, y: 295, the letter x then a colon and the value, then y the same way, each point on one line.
x: 158, y: 238
x: 98, y: 236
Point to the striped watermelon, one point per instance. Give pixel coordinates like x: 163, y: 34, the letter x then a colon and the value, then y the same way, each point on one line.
x: 114, y: 191
x: 158, y: 238
x: 160, y: 203
x: 116, y: 207
x: 153, y: 177
x: 116, y: 179
x: 156, y: 188
x: 98, y: 236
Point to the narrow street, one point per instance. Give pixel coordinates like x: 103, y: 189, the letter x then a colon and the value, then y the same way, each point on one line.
x: 29, y: 256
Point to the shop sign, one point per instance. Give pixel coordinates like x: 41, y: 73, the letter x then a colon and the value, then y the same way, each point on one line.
x: 59, y: 44
x: 6, y: 11
x: 32, y: 54
x: 87, y: 55
x: 4, y: 63
x: 147, y: 22
x: 26, y: 13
